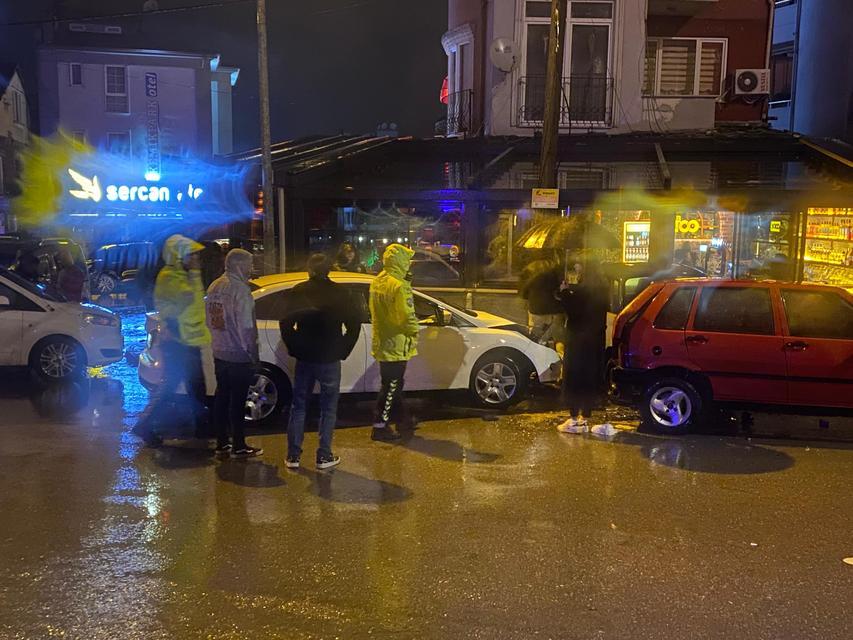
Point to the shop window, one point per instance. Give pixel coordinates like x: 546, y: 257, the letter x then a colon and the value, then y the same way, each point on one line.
x: 116, y: 89
x: 781, y: 73
x: 432, y: 229
x: 735, y: 310
x: 818, y: 314
x: 675, y: 312
x: 684, y: 66
x: 829, y: 246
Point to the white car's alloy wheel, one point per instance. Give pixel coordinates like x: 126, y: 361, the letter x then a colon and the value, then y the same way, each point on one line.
x: 58, y: 360
x: 262, y: 398
x: 496, y: 382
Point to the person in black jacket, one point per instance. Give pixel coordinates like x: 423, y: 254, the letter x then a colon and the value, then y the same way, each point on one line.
x: 539, y: 281
x: 585, y: 304
x: 320, y: 329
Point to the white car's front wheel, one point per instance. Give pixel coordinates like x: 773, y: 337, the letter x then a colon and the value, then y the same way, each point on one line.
x: 58, y: 359
x: 498, y: 381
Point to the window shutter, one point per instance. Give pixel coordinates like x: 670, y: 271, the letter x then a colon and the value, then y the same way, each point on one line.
x: 678, y: 67
x: 711, y: 69
x: 651, y: 67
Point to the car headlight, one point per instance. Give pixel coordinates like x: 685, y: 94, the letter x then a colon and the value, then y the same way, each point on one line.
x: 101, y: 321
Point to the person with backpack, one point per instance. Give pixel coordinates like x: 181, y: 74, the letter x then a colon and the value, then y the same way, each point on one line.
x: 320, y: 329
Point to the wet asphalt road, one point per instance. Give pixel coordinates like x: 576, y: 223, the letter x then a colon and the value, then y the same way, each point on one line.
x: 472, y: 528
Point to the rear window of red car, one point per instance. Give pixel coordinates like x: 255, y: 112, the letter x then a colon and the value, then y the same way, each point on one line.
x: 676, y: 311
x: 818, y: 314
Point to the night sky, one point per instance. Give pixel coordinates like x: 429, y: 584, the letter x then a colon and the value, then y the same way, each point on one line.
x: 335, y: 65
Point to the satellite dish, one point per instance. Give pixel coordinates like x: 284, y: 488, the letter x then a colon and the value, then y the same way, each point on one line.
x: 503, y: 53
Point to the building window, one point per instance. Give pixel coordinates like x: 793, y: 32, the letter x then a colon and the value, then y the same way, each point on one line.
x: 685, y: 67
x: 19, y: 106
x: 116, y: 89
x: 586, y: 79
x: 75, y: 74
x: 79, y: 136
x: 781, y: 73
x: 119, y: 143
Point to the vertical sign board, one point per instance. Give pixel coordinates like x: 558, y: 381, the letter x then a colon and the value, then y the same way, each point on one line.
x: 152, y: 125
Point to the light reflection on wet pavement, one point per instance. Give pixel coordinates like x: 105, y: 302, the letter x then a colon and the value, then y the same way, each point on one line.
x: 470, y: 528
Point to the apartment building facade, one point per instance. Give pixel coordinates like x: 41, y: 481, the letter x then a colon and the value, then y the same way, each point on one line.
x: 630, y: 65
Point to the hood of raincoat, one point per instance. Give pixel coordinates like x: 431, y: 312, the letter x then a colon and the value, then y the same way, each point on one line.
x: 238, y: 263
x: 178, y: 247
x: 397, y: 260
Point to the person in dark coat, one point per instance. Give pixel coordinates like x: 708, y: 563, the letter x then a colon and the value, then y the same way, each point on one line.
x: 539, y: 281
x: 320, y: 329
x: 585, y: 305
x: 70, y: 279
x: 348, y: 259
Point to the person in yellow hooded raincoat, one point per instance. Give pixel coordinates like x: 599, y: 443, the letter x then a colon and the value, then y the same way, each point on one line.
x: 395, y: 336
x: 179, y: 300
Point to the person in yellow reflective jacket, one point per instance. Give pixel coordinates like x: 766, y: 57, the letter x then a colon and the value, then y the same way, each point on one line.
x: 179, y: 301
x: 395, y: 337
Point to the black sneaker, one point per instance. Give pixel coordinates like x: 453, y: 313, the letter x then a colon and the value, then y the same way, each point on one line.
x: 246, y: 452
x: 384, y: 434
x: 292, y: 462
x: 223, y: 452
x: 327, y: 462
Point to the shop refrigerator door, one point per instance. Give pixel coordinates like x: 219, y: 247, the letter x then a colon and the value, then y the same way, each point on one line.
x: 819, y: 348
x: 733, y: 341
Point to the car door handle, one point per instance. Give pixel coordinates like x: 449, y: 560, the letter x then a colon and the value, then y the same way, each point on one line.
x: 697, y: 340
x: 799, y: 345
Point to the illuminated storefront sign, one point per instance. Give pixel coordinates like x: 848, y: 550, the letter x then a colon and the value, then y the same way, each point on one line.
x: 90, y: 189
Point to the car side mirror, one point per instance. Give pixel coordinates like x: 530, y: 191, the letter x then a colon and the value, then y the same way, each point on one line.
x: 5, y: 302
x: 446, y: 318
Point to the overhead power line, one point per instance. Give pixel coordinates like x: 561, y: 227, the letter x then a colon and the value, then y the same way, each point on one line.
x: 125, y: 14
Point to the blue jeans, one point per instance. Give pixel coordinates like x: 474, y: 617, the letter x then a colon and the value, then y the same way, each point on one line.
x: 329, y: 377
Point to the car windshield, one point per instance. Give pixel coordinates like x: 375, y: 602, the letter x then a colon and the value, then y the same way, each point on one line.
x: 40, y: 290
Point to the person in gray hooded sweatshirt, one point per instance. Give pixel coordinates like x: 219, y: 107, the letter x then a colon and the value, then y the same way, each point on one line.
x: 231, y: 320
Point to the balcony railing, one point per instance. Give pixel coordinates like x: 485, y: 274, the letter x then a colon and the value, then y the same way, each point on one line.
x: 586, y: 101
x: 459, y: 106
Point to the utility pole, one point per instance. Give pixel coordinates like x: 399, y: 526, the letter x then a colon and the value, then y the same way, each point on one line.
x: 270, y: 263
x: 553, y: 96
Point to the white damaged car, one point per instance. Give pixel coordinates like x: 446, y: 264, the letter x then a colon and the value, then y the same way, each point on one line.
x: 490, y: 356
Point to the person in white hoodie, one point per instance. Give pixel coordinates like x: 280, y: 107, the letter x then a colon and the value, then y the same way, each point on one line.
x: 234, y: 333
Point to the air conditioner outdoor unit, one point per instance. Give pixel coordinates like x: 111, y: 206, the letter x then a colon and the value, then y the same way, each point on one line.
x: 751, y: 82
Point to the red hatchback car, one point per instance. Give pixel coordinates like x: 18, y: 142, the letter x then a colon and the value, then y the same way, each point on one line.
x: 681, y: 346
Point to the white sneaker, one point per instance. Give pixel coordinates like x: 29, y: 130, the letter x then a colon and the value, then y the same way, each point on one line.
x: 605, y: 430
x: 572, y: 425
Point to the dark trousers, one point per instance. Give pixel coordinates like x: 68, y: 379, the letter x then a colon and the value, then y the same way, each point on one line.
x: 181, y: 363
x: 233, y: 380
x: 328, y: 374
x: 390, y: 404
x: 583, y: 367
